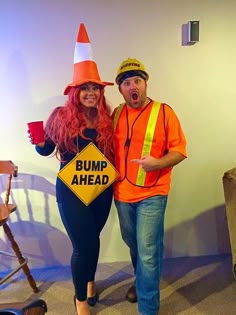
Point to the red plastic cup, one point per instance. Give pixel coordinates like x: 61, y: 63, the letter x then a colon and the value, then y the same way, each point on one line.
x: 37, y: 131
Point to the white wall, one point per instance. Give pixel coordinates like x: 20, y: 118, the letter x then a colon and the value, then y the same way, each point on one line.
x: 198, y: 81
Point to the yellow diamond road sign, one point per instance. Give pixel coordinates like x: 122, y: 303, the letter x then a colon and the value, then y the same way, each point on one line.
x: 88, y: 174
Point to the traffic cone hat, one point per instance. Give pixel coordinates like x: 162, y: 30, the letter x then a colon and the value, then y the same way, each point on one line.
x: 85, y: 68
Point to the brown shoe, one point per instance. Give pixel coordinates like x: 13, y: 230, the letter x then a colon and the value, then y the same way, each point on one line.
x: 131, y: 294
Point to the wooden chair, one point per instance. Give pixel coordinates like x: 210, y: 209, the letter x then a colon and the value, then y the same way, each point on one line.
x: 8, y: 170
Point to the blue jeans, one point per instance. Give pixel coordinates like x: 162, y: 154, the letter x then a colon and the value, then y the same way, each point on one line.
x: 142, y: 229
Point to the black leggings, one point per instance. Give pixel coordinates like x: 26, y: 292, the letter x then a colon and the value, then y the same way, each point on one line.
x: 83, y: 225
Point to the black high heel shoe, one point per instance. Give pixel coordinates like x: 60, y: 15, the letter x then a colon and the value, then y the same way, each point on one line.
x: 93, y: 299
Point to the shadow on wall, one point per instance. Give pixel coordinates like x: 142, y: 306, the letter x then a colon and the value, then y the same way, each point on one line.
x: 47, y: 245
x: 37, y: 236
x: 211, y: 225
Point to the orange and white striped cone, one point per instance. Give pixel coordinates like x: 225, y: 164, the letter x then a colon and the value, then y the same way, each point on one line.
x: 85, y: 68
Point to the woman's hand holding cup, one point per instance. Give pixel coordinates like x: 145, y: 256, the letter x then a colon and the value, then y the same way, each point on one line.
x: 36, y: 133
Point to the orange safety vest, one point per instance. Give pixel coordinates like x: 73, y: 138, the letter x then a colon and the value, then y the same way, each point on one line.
x: 146, y: 136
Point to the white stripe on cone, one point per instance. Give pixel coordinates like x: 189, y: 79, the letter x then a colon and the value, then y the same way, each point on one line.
x: 83, y: 52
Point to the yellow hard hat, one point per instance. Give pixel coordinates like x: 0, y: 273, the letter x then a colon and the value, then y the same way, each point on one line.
x: 130, y: 67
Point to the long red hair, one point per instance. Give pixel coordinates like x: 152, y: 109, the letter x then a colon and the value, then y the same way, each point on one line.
x: 67, y: 122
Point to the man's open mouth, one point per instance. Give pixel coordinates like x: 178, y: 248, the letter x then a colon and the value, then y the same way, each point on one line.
x: 134, y: 96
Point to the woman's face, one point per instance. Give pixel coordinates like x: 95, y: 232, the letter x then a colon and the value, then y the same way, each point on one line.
x: 90, y: 94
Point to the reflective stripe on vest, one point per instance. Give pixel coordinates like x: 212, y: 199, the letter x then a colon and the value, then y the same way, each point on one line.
x: 117, y: 115
x: 152, y: 121
x: 148, y: 139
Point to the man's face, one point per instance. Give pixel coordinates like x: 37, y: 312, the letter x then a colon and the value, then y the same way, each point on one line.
x: 134, y: 91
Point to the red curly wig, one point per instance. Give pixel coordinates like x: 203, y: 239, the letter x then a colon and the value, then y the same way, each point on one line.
x: 67, y: 122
